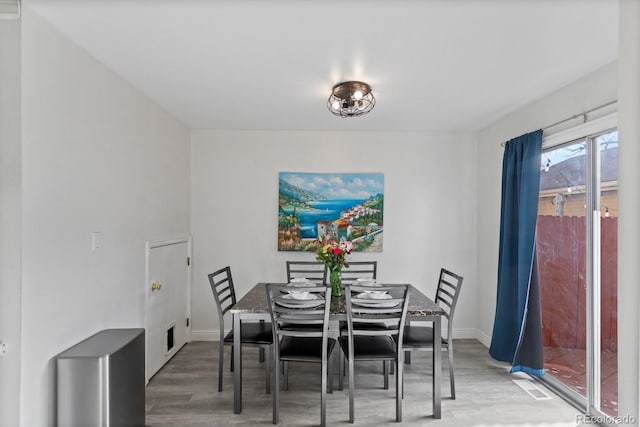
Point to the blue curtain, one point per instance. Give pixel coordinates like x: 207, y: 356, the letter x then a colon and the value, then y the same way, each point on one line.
x: 517, y: 327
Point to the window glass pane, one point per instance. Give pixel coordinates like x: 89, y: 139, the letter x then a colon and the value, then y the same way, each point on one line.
x: 561, y: 249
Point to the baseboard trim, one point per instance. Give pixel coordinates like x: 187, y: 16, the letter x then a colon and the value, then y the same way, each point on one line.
x: 483, y: 338
x: 468, y: 333
x: 464, y: 333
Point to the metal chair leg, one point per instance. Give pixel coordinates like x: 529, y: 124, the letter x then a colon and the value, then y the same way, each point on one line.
x: 451, y: 373
x: 267, y: 368
x: 341, y: 371
x: 402, y: 379
x: 323, y: 392
x: 220, y: 364
x: 330, y: 374
x: 285, y: 386
x: 276, y: 386
x: 385, y: 373
x: 390, y: 367
x: 231, y: 368
x: 399, y: 392
x: 351, y: 386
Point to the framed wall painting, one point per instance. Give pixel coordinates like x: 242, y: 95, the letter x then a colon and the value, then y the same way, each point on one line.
x: 330, y: 205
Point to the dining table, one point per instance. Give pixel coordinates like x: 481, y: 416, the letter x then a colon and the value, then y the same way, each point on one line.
x: 253, y: 306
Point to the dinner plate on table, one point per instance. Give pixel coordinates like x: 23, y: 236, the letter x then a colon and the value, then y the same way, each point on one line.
x: 301, y: 282
x: 377, y: 301
x: 311, y: 301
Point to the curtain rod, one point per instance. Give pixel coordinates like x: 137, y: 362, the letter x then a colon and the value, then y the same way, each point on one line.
x: 575, y: 116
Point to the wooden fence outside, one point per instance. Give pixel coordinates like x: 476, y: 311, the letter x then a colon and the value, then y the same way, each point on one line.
x: 561, y: 262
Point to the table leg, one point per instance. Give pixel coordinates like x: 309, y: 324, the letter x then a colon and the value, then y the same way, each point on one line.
x: 437, y: 368
x: 237, y: 368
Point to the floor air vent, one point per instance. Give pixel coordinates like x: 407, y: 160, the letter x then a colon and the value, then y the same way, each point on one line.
x: 532, y: 389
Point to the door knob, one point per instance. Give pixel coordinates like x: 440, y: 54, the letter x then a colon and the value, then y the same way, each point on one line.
x: 156, y: 286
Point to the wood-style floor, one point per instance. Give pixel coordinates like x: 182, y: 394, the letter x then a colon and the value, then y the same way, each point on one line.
x: 184, y: 393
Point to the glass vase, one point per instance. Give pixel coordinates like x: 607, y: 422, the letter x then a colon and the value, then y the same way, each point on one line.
x: 335, y: 279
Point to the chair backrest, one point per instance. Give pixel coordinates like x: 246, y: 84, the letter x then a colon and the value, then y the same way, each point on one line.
x: 364, y: 314
x: 223, y: 292
x: 297, y: 317
x: 359, y: 270
x: 449, y: 285
x: 315, y: 271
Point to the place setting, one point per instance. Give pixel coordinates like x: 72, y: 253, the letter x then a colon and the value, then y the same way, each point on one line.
x: 298, y: 297
x: 376, y: 298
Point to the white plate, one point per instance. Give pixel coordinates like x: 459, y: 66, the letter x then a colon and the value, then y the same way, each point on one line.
x: 367, y: 282
x: 377, y: 297
x: 313, y: 301
x: 376, y: 304
x: 374, y: 294
x: 300, y: 283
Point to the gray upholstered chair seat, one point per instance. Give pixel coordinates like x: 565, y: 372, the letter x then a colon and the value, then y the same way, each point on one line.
x: 370, y: 348
x: 419, y: 336
x: 254, y: 333
x: 302, y: 349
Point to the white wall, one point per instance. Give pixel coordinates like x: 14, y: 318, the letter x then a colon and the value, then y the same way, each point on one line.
x: 429, y: 218
x: 96, y: 156
x: 10, y: 201
x: 589, y: 92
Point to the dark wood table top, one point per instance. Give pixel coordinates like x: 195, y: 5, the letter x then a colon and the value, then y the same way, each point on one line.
x: 255, y: 301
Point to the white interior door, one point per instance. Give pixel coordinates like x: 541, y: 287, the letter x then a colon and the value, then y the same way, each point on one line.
x: 168, y: 301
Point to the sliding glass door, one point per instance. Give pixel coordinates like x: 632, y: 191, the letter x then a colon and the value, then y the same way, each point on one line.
x: 577, y: 253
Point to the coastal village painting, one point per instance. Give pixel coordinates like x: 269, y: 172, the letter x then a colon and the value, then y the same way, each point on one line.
x: 314, y: 206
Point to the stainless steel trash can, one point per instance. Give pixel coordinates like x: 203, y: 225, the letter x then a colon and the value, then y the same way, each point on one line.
x: 100, y: 381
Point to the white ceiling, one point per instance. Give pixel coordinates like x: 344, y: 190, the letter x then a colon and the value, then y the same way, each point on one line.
x: 270, y: 64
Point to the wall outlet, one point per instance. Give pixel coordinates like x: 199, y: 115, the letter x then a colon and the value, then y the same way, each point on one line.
x: 96, y: 240
x: 3, y: 348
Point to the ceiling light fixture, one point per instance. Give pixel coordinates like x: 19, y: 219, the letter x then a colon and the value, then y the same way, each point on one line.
x: 351, y: 99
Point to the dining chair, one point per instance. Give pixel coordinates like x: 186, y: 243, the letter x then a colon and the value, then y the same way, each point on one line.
x: 300, y: 334
x: 252, y: 334
x: 372, y: 325
x: 359, y: 270
x: 421, y: 337
x: 315, y: 271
